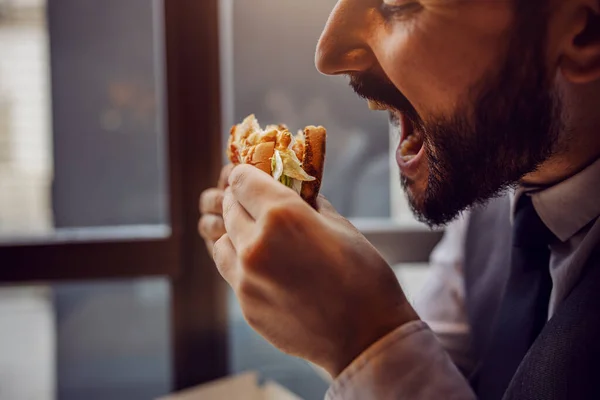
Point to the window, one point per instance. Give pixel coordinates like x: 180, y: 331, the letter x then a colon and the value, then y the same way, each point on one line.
x: 25, y: 155
x: 100, y: 173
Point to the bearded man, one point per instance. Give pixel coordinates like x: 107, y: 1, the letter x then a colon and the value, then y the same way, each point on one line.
x: 497, y: 103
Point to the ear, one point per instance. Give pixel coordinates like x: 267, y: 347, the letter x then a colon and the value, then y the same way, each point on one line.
x: 580, y: 62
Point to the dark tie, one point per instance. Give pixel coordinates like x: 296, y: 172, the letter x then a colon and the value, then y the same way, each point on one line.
x: 524, y: 308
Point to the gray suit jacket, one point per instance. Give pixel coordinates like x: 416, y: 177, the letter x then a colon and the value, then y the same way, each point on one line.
x: 563, y: 362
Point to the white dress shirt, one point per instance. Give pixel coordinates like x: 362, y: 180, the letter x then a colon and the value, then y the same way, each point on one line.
x: 421, y: 360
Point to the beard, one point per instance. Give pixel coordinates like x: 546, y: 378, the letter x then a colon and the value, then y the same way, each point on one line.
x: 510, y: 126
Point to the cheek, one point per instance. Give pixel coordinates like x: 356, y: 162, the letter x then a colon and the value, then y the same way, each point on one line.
x: 435, y: 59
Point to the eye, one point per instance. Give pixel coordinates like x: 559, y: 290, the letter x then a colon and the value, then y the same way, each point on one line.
x: 399, y: 8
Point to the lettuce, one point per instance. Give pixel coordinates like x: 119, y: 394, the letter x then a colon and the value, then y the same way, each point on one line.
x: 276, y: 166
x: 292, y: 167
x: 287, y: 169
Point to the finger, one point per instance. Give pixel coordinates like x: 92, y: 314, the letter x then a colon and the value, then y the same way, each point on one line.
x: 211, y: 227
x: 224, y: 178
x: 211, y: 201
x: 238, y: 223
x: 256, y: 191
x: 225, y: 259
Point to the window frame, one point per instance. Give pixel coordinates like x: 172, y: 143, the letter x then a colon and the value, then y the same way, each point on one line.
x: 194, y: 160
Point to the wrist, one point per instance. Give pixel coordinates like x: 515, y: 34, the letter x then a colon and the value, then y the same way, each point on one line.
x: 368, y: 337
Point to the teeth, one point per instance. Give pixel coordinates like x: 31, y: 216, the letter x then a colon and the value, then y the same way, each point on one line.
x: 413, y: 139
x: 404, y: 147
x: 411, y: 146
x: 375, y: 106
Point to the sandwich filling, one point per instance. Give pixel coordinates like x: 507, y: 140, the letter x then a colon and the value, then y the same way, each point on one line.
x: 285, y: 164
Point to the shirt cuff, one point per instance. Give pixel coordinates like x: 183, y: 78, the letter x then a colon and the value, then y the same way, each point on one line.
x: 408, y: 363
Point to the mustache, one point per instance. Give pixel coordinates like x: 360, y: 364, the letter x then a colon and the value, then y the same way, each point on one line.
x: 370, y: 86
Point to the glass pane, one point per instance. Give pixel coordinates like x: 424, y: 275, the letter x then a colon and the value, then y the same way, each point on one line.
x: 270, y: 45
x: 97, y: 341
x: 81, y: 126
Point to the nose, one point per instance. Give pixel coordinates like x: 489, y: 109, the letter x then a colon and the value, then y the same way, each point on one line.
x: 343, y: 47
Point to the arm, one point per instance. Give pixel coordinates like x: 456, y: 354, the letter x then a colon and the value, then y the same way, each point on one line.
x: 410, y: 363
x: 419, y: 360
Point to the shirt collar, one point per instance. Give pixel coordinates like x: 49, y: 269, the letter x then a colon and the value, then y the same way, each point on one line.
x: 568, y: 206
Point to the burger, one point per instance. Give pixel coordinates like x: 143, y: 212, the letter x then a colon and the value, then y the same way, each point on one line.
x: 297, y: 161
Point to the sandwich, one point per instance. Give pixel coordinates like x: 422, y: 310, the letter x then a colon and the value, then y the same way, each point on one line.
x: 297, y: 161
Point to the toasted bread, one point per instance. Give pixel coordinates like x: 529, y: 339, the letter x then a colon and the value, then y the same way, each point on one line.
x: 303, y: 155
x: 313, y: 162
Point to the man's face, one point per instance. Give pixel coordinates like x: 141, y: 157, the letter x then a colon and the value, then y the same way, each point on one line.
x: 466, y: 83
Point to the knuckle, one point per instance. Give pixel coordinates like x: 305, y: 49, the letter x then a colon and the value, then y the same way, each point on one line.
x: 213, y: 224
x: 218, y: 252
x: 245, y: 290
x: 205, y: 227
x: 217, y: 228
x: 237, y: 178
x: 251, y: 257
x: 212, y: 227
x: 277, y: 214
x: 248, y: 255
x: 211, y: 201
x: 283, y: 215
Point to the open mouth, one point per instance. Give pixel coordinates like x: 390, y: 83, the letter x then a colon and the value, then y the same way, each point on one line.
x: 411, y: 140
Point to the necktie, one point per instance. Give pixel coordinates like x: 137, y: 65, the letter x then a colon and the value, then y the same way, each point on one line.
x: 524, y: 308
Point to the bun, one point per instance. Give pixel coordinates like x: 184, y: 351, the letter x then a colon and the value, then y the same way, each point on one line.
x: 260, y: 156
x: 296, y: 161
x: 315, y: 139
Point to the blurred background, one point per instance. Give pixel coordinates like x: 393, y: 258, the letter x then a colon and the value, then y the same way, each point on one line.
x: 83, y: 144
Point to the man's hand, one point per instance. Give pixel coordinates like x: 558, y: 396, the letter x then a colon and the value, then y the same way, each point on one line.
x: 308, y: 281
x: 211, y: 226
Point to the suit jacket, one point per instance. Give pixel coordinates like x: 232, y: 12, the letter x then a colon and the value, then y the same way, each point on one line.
x: 563, y: 361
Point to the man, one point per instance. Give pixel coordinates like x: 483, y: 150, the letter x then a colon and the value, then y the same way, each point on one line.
x: 500, y: 102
